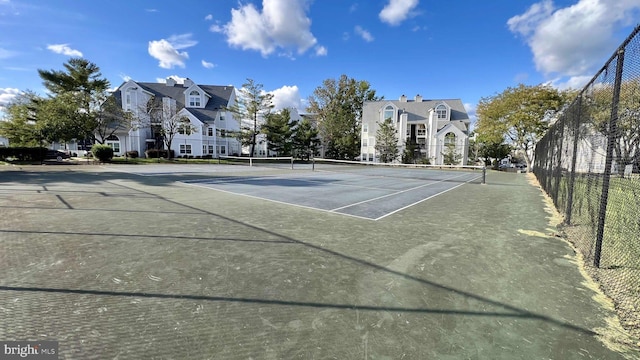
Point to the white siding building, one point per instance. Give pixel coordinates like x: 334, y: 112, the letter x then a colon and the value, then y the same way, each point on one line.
x: 204, y: 105
x: 435, y: 126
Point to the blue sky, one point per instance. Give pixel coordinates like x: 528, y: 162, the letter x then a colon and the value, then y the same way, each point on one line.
x: 464, y: 49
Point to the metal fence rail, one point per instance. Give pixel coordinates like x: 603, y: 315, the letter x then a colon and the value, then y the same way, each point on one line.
x: 589, y: 164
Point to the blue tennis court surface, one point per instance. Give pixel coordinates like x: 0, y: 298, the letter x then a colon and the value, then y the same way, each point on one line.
x: 370, y: 197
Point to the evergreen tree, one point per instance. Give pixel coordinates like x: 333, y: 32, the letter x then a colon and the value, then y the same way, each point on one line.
x: 278, y: 128
x: 387, y: 141
x: 305, y: 139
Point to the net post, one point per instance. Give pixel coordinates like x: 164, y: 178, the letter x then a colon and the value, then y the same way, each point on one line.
x: 313, y: 164
x: 484, y: 175
x: 250, y: 161
x: 292, y: 163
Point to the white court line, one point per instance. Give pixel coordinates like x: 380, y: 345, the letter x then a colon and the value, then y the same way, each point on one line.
x: 395, y: 193
x: 278, y: 202
x: 425, y: 199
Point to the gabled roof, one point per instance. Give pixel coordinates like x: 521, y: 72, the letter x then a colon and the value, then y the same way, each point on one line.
x: 419, y: 110
x: 219, y: 94
x: 218, y: 97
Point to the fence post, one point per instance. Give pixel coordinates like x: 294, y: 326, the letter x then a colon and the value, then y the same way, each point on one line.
x: 574, y: 159
x: 612, y: 134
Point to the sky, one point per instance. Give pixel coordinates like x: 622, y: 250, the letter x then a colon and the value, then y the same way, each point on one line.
x: 457, y: 49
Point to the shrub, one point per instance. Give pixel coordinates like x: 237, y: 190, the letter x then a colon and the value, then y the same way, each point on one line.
x: 156, y: 153
x: 23, y: 153
x: 104, y: 153
x: 133, y: 154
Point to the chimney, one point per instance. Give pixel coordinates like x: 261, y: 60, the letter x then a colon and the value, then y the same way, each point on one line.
x: 187, y: 82
x: 418, y: 98
x: 171, y: 82
x: 403, y: 98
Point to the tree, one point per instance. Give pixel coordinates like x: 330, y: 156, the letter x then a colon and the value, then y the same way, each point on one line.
x: 163, y: 118
x: 305, y: 139
x: 387, y: 141
x: 488, y: 149
x: 278, y: 128
x: 111, y: 118
x: 409, y: 153
x: 596, y: 107
x: 520, y: 116
x: 19, y: 123
x: 450, y: 155
x: 76, y: 95
x: 338, y: 106
x: 251, y: 105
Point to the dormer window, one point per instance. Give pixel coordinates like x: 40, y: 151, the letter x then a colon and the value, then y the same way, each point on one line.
x: 441, y: 112
x: 388, y: 113
x: 194, y: 99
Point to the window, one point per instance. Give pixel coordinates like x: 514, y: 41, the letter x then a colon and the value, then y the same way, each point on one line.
x: 450, y: 139
x: 364, y: 157
x: 370, y: 156
x: 115, y: 146
x: 210, y: 131
x: 441, y: 112
x: 194, y: 98
x: 221, y: 116
x: 114, y: 142
x: 365, y: 142
x: 222, y: 133
x: 388, y: 113
x: 365, y: 127
x: 210, y: 149
x: 128, y: 101
x: 185, y: 148
x: 223, y: 149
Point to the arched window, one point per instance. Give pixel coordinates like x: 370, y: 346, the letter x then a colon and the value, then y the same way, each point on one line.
x: 450, y: 139
x: 388, y: 113
x: 441, y: 112
x: 194, y: 98
x: 114, y: 142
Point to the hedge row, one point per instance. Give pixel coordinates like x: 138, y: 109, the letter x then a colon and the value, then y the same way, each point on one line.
x: 23, y: 153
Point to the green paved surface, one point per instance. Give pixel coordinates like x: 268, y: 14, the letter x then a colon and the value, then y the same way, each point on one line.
x: 114, y: 265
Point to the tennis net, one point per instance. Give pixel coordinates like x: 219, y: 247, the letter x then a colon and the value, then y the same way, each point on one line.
x: 281, y: 162
x: 455, y: 173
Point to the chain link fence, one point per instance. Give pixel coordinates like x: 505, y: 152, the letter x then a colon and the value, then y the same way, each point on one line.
x: 589, y: 164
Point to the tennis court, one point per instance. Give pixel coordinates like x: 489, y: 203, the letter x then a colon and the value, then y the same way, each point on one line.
x: 146, y: 261
x: 368, y: 192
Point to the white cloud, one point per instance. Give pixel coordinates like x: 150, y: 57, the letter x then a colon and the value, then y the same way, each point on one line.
x: 208, y: 17
x: 321, y: 51
x: 6, y: 96
x: 570, y: 41
x: 281, y: 24
x: 5, y: 54
x: 396, y: 11
x: 178, y: 79
x: 574, y: 82
x: 166, y: 51
x: 287, y: 97
x: 151, y: 10
x: 216, y: 28
x: 64, y: 49
x: 125, y: 77
x: 364, y: 34
x: 208, y: 65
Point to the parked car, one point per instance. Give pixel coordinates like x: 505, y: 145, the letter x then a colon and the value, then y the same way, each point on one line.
x: 56, y: 155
